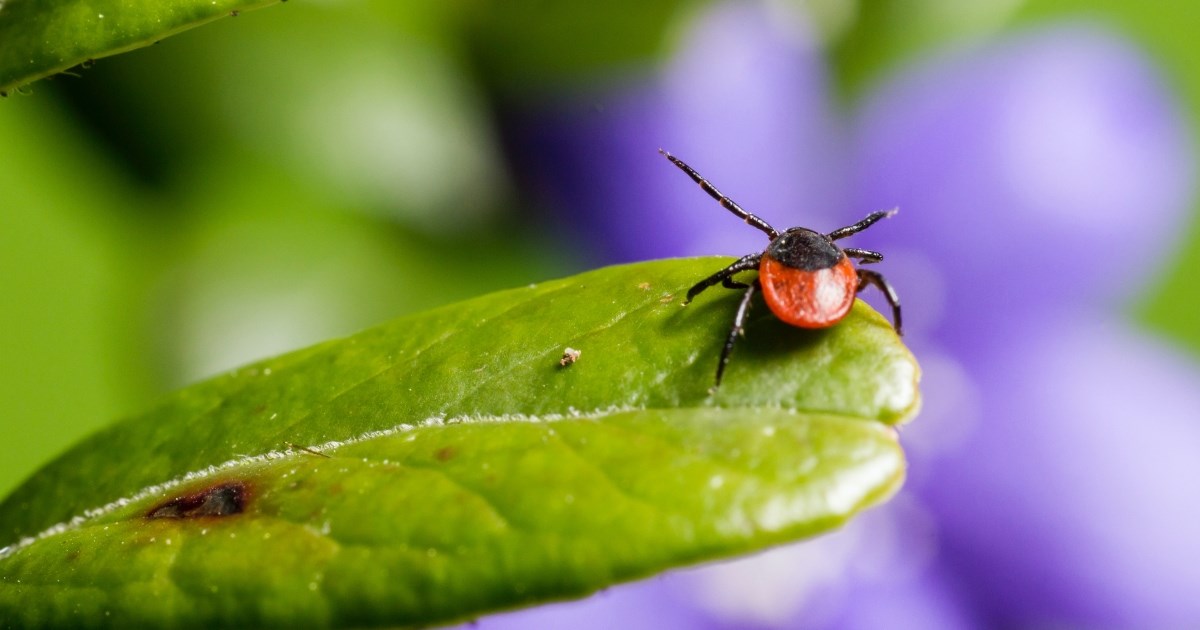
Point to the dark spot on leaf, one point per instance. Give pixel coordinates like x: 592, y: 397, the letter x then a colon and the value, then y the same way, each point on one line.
x: 445, y: 453
x: 225, y: 499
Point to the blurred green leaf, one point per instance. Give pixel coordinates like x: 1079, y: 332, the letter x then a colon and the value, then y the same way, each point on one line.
x: 73, y: 351
x: 886, y: 34
x: 519, y: 44
x: 449, y: 465
x: 44, y: 37
x: 267, y: 262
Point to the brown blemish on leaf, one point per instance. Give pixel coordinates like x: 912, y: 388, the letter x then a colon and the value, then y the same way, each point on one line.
x: 445, y: 453
x: 645, y: 286
x: 224, y: 499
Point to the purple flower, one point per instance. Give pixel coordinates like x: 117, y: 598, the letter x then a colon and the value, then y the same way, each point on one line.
x: 1041, y: 181
x: 1046, y: 177
x: 1074, y: 501
x: 1048, y: 171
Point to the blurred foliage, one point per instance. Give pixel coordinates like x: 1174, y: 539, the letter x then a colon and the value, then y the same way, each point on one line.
x: 879, y: 36
x: 69, y: 318
x: 546, y: 43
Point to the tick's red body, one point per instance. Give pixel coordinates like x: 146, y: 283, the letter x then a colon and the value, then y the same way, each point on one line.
x: 806, y: 279
x: 808, y: 298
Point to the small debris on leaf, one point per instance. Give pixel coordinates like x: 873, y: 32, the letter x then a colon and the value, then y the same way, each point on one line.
x: 569, y: 356
x: 307, y: 449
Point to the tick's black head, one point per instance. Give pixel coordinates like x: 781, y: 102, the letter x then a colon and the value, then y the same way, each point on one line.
x: 804, y: 249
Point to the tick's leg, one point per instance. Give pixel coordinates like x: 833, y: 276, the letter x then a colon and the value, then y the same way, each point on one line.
x: 862, y: 225
x: 745, y: 263
x: 730, y: 283
x: 866, y: 277
x: 865, y: 255
x: 739, y: 322
x: 725, y: 202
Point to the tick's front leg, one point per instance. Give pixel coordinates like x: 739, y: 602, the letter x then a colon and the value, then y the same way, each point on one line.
x: 745, y: 263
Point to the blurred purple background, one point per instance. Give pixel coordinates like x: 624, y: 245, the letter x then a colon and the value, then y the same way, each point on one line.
x: 1043, y: 176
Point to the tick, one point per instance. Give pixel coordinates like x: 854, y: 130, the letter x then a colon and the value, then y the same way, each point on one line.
x: 805, y: 278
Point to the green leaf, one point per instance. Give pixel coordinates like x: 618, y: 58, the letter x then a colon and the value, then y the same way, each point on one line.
x: 70, y: 276
x: 44, y: 37
x: 445, y: 464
